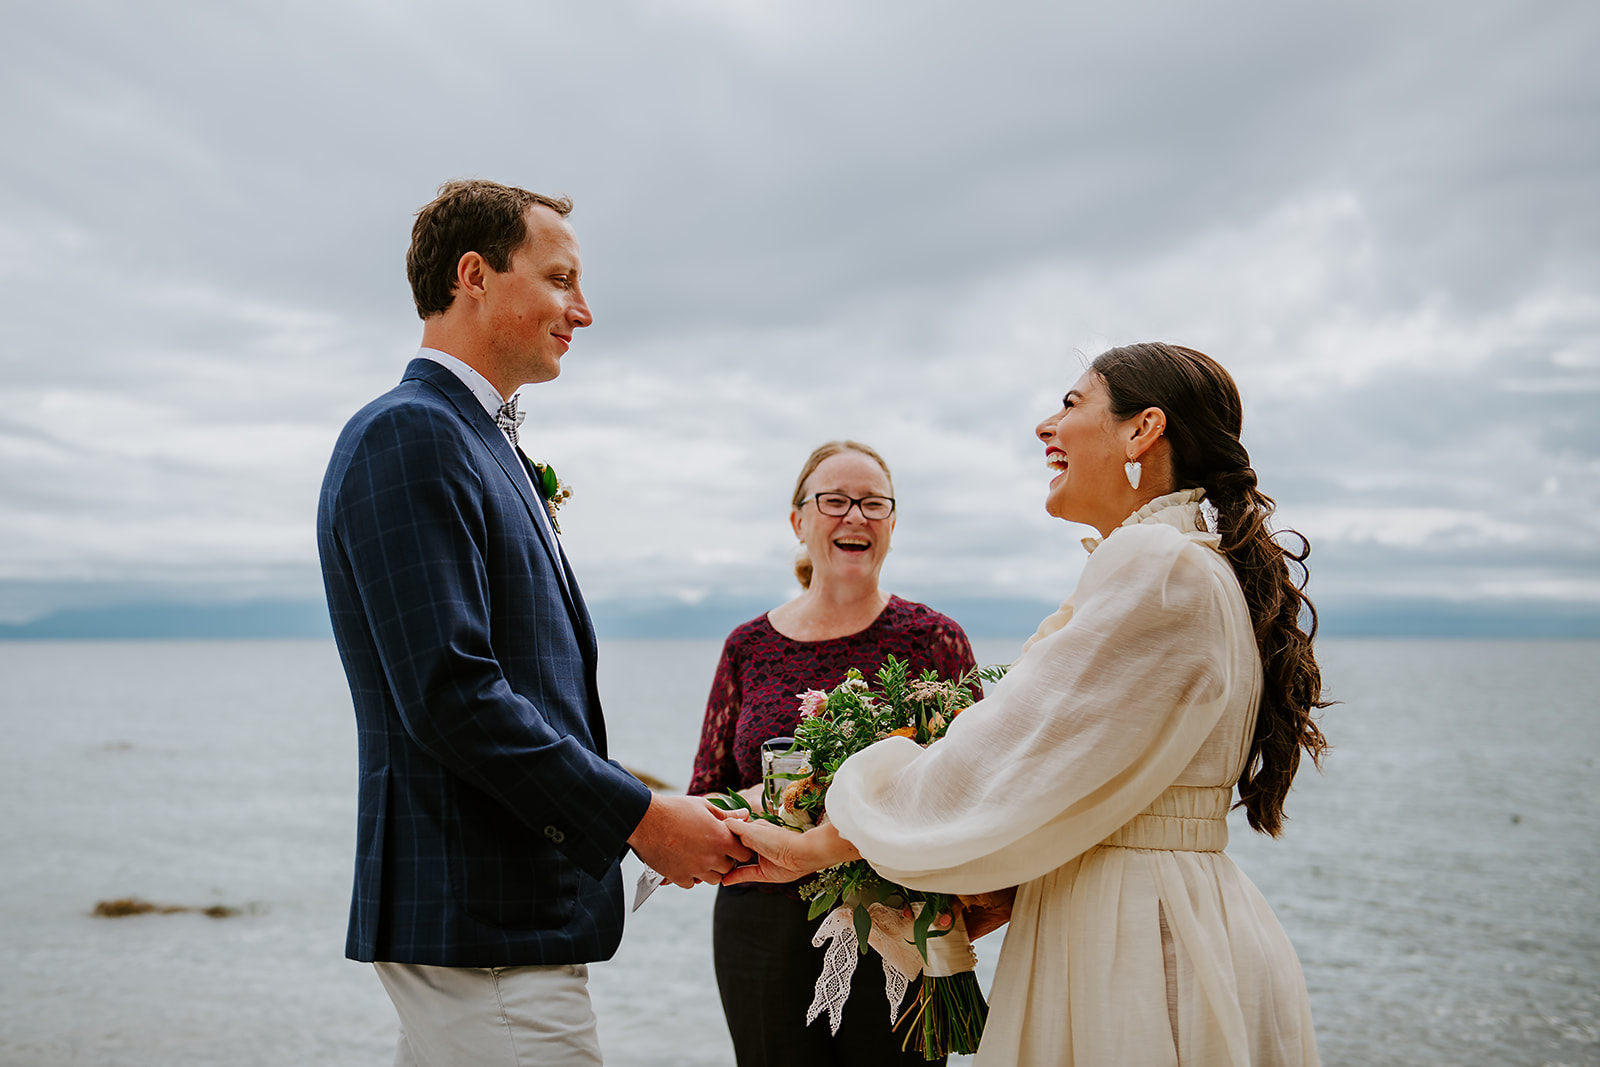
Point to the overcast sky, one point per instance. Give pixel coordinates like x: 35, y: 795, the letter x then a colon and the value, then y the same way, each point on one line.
x: 909, y: 223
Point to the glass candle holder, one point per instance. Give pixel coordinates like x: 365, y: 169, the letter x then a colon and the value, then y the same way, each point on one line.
x: 782, y: 761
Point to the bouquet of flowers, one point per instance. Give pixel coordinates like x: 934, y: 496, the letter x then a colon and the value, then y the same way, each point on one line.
x: 862, y: 909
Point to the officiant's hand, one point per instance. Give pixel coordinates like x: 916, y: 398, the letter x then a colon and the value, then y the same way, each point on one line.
x: 783, y: 855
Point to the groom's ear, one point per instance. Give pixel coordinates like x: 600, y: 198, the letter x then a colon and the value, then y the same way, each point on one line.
x: 471, y: 276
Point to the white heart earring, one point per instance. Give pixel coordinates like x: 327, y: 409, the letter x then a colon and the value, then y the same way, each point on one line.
x: 1133, y: 468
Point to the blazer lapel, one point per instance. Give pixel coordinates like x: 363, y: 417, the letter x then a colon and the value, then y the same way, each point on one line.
x: 580, y: 611
x: 518, y: 470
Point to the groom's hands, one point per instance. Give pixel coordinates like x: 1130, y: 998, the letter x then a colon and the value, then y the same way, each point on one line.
x: 685, y: 840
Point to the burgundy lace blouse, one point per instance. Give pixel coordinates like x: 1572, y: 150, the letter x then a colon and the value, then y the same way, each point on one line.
x: 755, y: 694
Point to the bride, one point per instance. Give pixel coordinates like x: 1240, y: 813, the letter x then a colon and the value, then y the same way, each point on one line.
x: 1097, y: 776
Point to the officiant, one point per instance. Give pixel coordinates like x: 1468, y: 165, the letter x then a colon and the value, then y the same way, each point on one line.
x: 843, y: 515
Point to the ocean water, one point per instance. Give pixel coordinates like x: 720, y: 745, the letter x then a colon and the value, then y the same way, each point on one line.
x: 1441, y: 879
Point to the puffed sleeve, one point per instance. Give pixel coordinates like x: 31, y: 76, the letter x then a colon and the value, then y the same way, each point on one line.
x: 1091, y: 724
x: 715, y: 769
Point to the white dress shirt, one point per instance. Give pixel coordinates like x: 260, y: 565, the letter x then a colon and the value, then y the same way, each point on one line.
x: 490, y: 398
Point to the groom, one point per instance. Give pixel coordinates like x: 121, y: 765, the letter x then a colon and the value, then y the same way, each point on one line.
x: 491, y: 825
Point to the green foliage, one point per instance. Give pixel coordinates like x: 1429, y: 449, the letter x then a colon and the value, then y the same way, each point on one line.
x: 735, y: 802
x: 854, y: 882
x: 933, y: 906
x: 863, y: 922
x: 855, y: 715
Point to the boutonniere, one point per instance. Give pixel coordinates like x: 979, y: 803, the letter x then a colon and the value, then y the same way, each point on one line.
x: 552, y: 488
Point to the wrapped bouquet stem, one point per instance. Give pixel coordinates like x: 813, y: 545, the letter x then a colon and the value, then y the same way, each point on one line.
x: 949, y: 1012
x: 864, y: 911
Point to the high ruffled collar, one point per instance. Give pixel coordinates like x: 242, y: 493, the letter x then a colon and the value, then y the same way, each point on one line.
x: 1180, y: 510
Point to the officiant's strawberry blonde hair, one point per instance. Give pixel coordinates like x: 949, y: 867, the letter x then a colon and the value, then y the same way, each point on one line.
x: 1204, y: 418
x: 802, y: 561
x: 468, y: 215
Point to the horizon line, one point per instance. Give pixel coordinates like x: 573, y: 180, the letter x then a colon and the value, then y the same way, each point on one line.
x: 714, y: 617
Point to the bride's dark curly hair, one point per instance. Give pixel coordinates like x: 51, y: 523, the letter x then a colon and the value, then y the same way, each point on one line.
x: 1204, y: 417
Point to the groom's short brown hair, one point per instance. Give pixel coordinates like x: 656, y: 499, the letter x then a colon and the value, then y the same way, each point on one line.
x: 468, y: 215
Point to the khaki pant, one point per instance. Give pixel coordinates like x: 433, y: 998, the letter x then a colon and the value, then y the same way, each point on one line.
x: 512, y: 1016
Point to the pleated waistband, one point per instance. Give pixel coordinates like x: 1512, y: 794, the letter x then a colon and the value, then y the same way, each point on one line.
x: 1186, y: 818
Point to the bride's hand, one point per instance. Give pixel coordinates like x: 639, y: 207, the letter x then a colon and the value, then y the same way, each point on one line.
x: 986, y: 912
x: 783, y: 855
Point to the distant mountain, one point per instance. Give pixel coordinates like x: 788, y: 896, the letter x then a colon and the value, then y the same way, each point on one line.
x: 1436, y: 618
x: 713, y: 618
x: 242, y: 619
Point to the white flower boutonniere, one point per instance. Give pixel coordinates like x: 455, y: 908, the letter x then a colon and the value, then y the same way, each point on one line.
x: 552, y: 488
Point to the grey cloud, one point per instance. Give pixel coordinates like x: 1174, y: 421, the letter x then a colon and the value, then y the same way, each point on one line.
x: 921, y: 147
x: 903, y: 222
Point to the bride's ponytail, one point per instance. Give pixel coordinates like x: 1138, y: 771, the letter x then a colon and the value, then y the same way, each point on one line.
x: 1204, y: 417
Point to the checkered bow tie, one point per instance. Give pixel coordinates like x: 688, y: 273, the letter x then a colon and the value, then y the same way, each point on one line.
x: 508, y: 418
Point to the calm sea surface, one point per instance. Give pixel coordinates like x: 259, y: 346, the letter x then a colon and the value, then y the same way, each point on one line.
x: 1441, y: 880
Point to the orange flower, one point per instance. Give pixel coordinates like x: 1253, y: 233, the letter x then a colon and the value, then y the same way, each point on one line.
x: 799, y: 790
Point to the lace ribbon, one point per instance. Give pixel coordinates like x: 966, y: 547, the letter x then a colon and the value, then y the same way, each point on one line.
x: 891, y: 936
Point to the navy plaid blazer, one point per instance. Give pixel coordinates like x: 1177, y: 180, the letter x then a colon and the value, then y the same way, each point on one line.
x: 491, y: 824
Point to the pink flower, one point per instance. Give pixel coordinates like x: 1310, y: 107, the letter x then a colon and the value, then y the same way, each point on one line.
x: 812, y: 701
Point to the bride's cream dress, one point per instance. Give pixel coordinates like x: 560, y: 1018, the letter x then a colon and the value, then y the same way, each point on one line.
x: 1096, y: 777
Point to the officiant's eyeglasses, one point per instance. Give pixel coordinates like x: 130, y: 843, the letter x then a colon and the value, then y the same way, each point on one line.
x: 837, y: 505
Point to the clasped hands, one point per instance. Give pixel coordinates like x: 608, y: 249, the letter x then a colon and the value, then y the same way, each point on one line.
x: 687, y: 840
x: 784, y: 856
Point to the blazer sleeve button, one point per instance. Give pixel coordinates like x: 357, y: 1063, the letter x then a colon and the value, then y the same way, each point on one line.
x: 554, y: 835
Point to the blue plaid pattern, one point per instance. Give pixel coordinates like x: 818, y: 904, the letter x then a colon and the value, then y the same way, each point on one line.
x: 490, y: 822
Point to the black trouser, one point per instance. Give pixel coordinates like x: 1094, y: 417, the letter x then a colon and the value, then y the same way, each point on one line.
x: 767, y: 972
